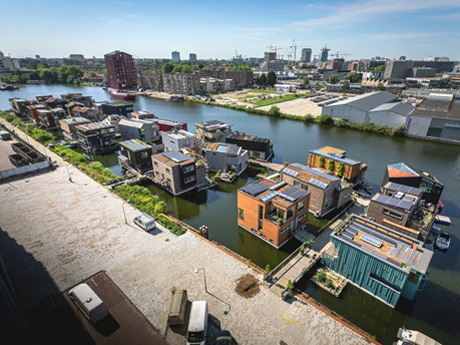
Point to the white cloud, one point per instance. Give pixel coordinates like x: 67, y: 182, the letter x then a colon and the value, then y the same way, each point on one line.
x: 359, y: 12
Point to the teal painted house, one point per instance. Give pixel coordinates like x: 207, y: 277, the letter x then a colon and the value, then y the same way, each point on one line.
x: 379, y: 260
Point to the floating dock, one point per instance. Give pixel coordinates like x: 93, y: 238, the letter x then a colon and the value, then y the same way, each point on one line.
x: 442, y: 220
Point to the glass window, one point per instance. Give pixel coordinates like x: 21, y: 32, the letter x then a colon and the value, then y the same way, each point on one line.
x: 426, y: 186
x: 301, y: 205
x: 392, y: 213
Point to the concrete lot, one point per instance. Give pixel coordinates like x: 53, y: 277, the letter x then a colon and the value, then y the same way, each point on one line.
x: 5, y: 151
x: 300, y: 107
x: 75, y: 229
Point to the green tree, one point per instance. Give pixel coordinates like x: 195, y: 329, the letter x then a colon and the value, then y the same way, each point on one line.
x: 34, y: 75
x: 345, y: 86
x: 177, y: 69
x: 380, y: 68
x: 334, y: 79
x: 353, y: 77
x: 330, y: 165
x: 167, y: 67
x: 274, y: 111
x: 380, y: 87
x: 187, y: 69
x: 306, y: 81
x: 271, y: 78
x: 262, y: 79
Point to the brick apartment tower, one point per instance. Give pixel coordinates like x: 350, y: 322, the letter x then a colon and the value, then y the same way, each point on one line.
x: 120, y: 69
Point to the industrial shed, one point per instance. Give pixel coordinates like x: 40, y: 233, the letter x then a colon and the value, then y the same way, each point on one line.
x: 379, y: 107
x: 436, y: 118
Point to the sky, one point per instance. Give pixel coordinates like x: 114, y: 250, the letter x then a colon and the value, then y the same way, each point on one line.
x: 218, y: 29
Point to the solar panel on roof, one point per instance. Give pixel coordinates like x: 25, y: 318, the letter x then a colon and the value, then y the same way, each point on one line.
x: 293, y: 194
x: 291, y: 172
x: 254, y: 189
x: 371, y: 240
x: 175, y: 156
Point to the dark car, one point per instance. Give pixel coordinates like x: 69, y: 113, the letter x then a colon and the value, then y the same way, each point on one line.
x: 224, y: 338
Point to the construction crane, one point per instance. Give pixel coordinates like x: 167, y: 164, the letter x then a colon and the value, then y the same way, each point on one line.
x: 338, y: 54
x: 295, y: 46
x: 274, y: 49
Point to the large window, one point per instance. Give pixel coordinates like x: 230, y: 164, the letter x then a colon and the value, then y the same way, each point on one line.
x: 241, y: 214
x: 434, y: 132
x: 301, y: 206
x: 392, y: 213
x: 426, y: 185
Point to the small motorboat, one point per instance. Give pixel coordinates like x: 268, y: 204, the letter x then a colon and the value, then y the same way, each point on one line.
x: 443, y: 241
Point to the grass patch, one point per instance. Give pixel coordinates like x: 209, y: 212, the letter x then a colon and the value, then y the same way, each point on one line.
x: 275, y: 100
x: 261, y: 91
x: 172, y: 226
x: 42, y: 136
x: 141, y: 198
x: 95, y: 170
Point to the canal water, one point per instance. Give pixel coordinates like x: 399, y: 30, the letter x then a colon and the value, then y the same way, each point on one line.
x: 435, y: 311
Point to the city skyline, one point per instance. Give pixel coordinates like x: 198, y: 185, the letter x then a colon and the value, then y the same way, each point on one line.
x: 416, y: 29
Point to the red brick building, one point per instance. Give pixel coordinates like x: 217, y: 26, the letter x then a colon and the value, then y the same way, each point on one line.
x: 120, y: 69
x: 272, y: 210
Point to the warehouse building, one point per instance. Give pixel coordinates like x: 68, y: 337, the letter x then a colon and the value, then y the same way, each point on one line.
x: 436, y: 118
x: 380, y: 108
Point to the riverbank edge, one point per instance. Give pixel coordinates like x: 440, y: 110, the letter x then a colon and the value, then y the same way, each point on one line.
x: 320, y: 120
x: 189, y: 228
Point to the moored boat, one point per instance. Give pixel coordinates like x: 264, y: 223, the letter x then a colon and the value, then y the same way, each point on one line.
x: 121, y: 94
x: 443, y: 241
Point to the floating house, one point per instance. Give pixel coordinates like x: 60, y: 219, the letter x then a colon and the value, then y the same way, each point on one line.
x: 68, y: 126
x: 258, y: 148
x: 178, y: 173
x: 226, y: 158
x: 328, y: 192
x: 377, y: 259
x: 405, y: 174
x: 272, y: 211
x: 213, y: 131
x: 97, y: 137
x: 135, y: 154
x: 335, y: 160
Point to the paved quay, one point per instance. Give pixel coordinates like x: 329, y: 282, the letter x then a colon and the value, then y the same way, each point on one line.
x: 76, y: 229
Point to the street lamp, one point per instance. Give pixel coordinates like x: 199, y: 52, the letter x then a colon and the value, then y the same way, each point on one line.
x: 124, y: 213
x: 197, y: 270
x: 204, y: 276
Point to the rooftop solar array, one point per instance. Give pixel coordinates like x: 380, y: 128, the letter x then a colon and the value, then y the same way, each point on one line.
x: 320, y: 184
x: 254, y: 189
x: 394, y: 202
x: 396, y: 187
x: 290, y: 172
x: 293, y: 194
x: 175, y: 156
x: 135, y: 145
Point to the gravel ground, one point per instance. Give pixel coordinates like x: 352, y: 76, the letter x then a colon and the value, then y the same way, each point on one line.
x: 56, y: 233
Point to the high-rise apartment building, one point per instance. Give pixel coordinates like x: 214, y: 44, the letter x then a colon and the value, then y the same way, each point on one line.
x: 306, y: 55
x: 192, y: 57
x: 120, y: 69
x: 175, y: 56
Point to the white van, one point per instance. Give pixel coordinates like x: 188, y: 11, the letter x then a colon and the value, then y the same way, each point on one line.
x: 198, y: 323
x: 88, y: 302
x: 145, y: 222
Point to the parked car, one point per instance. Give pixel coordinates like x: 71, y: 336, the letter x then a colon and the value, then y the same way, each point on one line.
x: 224, y: 338
x: 198, y: 323
x: 145, y: 222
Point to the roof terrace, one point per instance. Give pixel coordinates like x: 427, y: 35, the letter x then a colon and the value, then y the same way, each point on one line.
x: 385, y: 244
